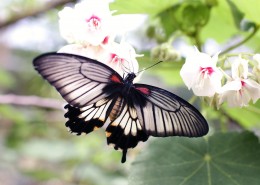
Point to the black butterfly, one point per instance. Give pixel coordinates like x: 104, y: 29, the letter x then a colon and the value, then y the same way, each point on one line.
x: 97, y: 95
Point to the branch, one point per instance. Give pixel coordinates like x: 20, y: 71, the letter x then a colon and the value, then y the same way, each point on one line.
x: 31, y: 101
x: 33, y: 12
x: 241, y: 42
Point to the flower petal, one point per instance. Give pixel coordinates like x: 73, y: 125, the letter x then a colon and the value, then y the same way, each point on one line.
x: 239, y: 68
x: 87, y: 23
x: 93, y: 52
x: 253, y: 89
x: 200, y: 74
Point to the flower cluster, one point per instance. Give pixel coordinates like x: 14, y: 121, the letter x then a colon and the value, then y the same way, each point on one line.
x: 237, y: 84
x: 90, y: 29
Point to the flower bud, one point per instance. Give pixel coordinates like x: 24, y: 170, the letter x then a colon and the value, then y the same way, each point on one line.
x: 165, y: 52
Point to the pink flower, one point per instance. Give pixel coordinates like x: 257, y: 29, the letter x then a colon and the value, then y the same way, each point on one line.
x: 87, y: 24
x: 200, y: 74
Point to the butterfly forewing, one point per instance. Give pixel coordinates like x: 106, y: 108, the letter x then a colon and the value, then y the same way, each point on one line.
x: 80, y: 81
x: 165, y: 114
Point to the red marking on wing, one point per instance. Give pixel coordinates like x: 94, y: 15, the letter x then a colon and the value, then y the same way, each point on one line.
x: 144, y: 90
x: 115, y: 79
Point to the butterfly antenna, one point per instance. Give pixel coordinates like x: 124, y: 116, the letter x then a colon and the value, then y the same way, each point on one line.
x: 124, y: 68
x: 149, y: 67
x: 131, y: 62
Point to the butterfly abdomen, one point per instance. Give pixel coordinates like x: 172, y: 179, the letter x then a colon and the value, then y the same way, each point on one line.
x: 116, y: 110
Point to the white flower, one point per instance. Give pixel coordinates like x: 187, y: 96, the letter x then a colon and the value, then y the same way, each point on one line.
x: 239, y: 68
x: 89, y: 28
x: 240, y: 89
x: 256, y: 68
x: 87, y: 23
x: 200, y: 74
x: 238, y: 93
x: 93, y: 52
x: 122, y: 58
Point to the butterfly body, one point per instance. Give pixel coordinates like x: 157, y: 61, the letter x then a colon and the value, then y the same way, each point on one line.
x: 116, y: 110
x: 97, y: 96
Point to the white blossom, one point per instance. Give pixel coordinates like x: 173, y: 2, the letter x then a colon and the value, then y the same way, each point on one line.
x: 93, y: 52
x: 256, y: 68
x: 239, y: 90
x: 122, y: 58
x: 88, y: 27
x: 200, y: 73
x: 87, y: 23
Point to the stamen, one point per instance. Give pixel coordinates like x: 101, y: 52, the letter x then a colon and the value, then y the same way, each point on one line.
x: 116, y: 59
x: 94, y: 22
x: 241, y: 91
x: 243, y: 83
x: 206, y: 70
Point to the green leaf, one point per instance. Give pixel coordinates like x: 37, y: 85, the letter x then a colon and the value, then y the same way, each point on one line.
x: 221, y: 25
x: 168, y: 20
x: 231, y: 158
x: 194, y: 15
x: 136, y: 6
x: 188, y: 16
x: 248, y: 117
x: 237, y: 14
x: 251, y: 9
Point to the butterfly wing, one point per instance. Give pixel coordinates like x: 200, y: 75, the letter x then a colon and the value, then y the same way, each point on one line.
x: 87, y: 85
x: 149, y: 110
x: 125, y: 131
x: 86, y: 119
x: 80, y: 81
x: 92, y: 89
x: 163, y: 114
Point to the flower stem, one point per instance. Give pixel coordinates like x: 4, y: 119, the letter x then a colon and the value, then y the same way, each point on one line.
x: 197, y: 40
x: 256, y: 28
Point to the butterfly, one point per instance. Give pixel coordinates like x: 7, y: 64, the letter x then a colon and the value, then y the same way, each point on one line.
x: 97, y: 95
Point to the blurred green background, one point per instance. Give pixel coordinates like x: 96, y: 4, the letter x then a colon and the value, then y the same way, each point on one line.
x: 35, y: 146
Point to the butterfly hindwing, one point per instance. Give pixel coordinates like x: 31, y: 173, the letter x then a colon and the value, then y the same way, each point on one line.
x: 87, y: 119
x: 125, y: 131
x: 163, y: 114
x: 81, y: 81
